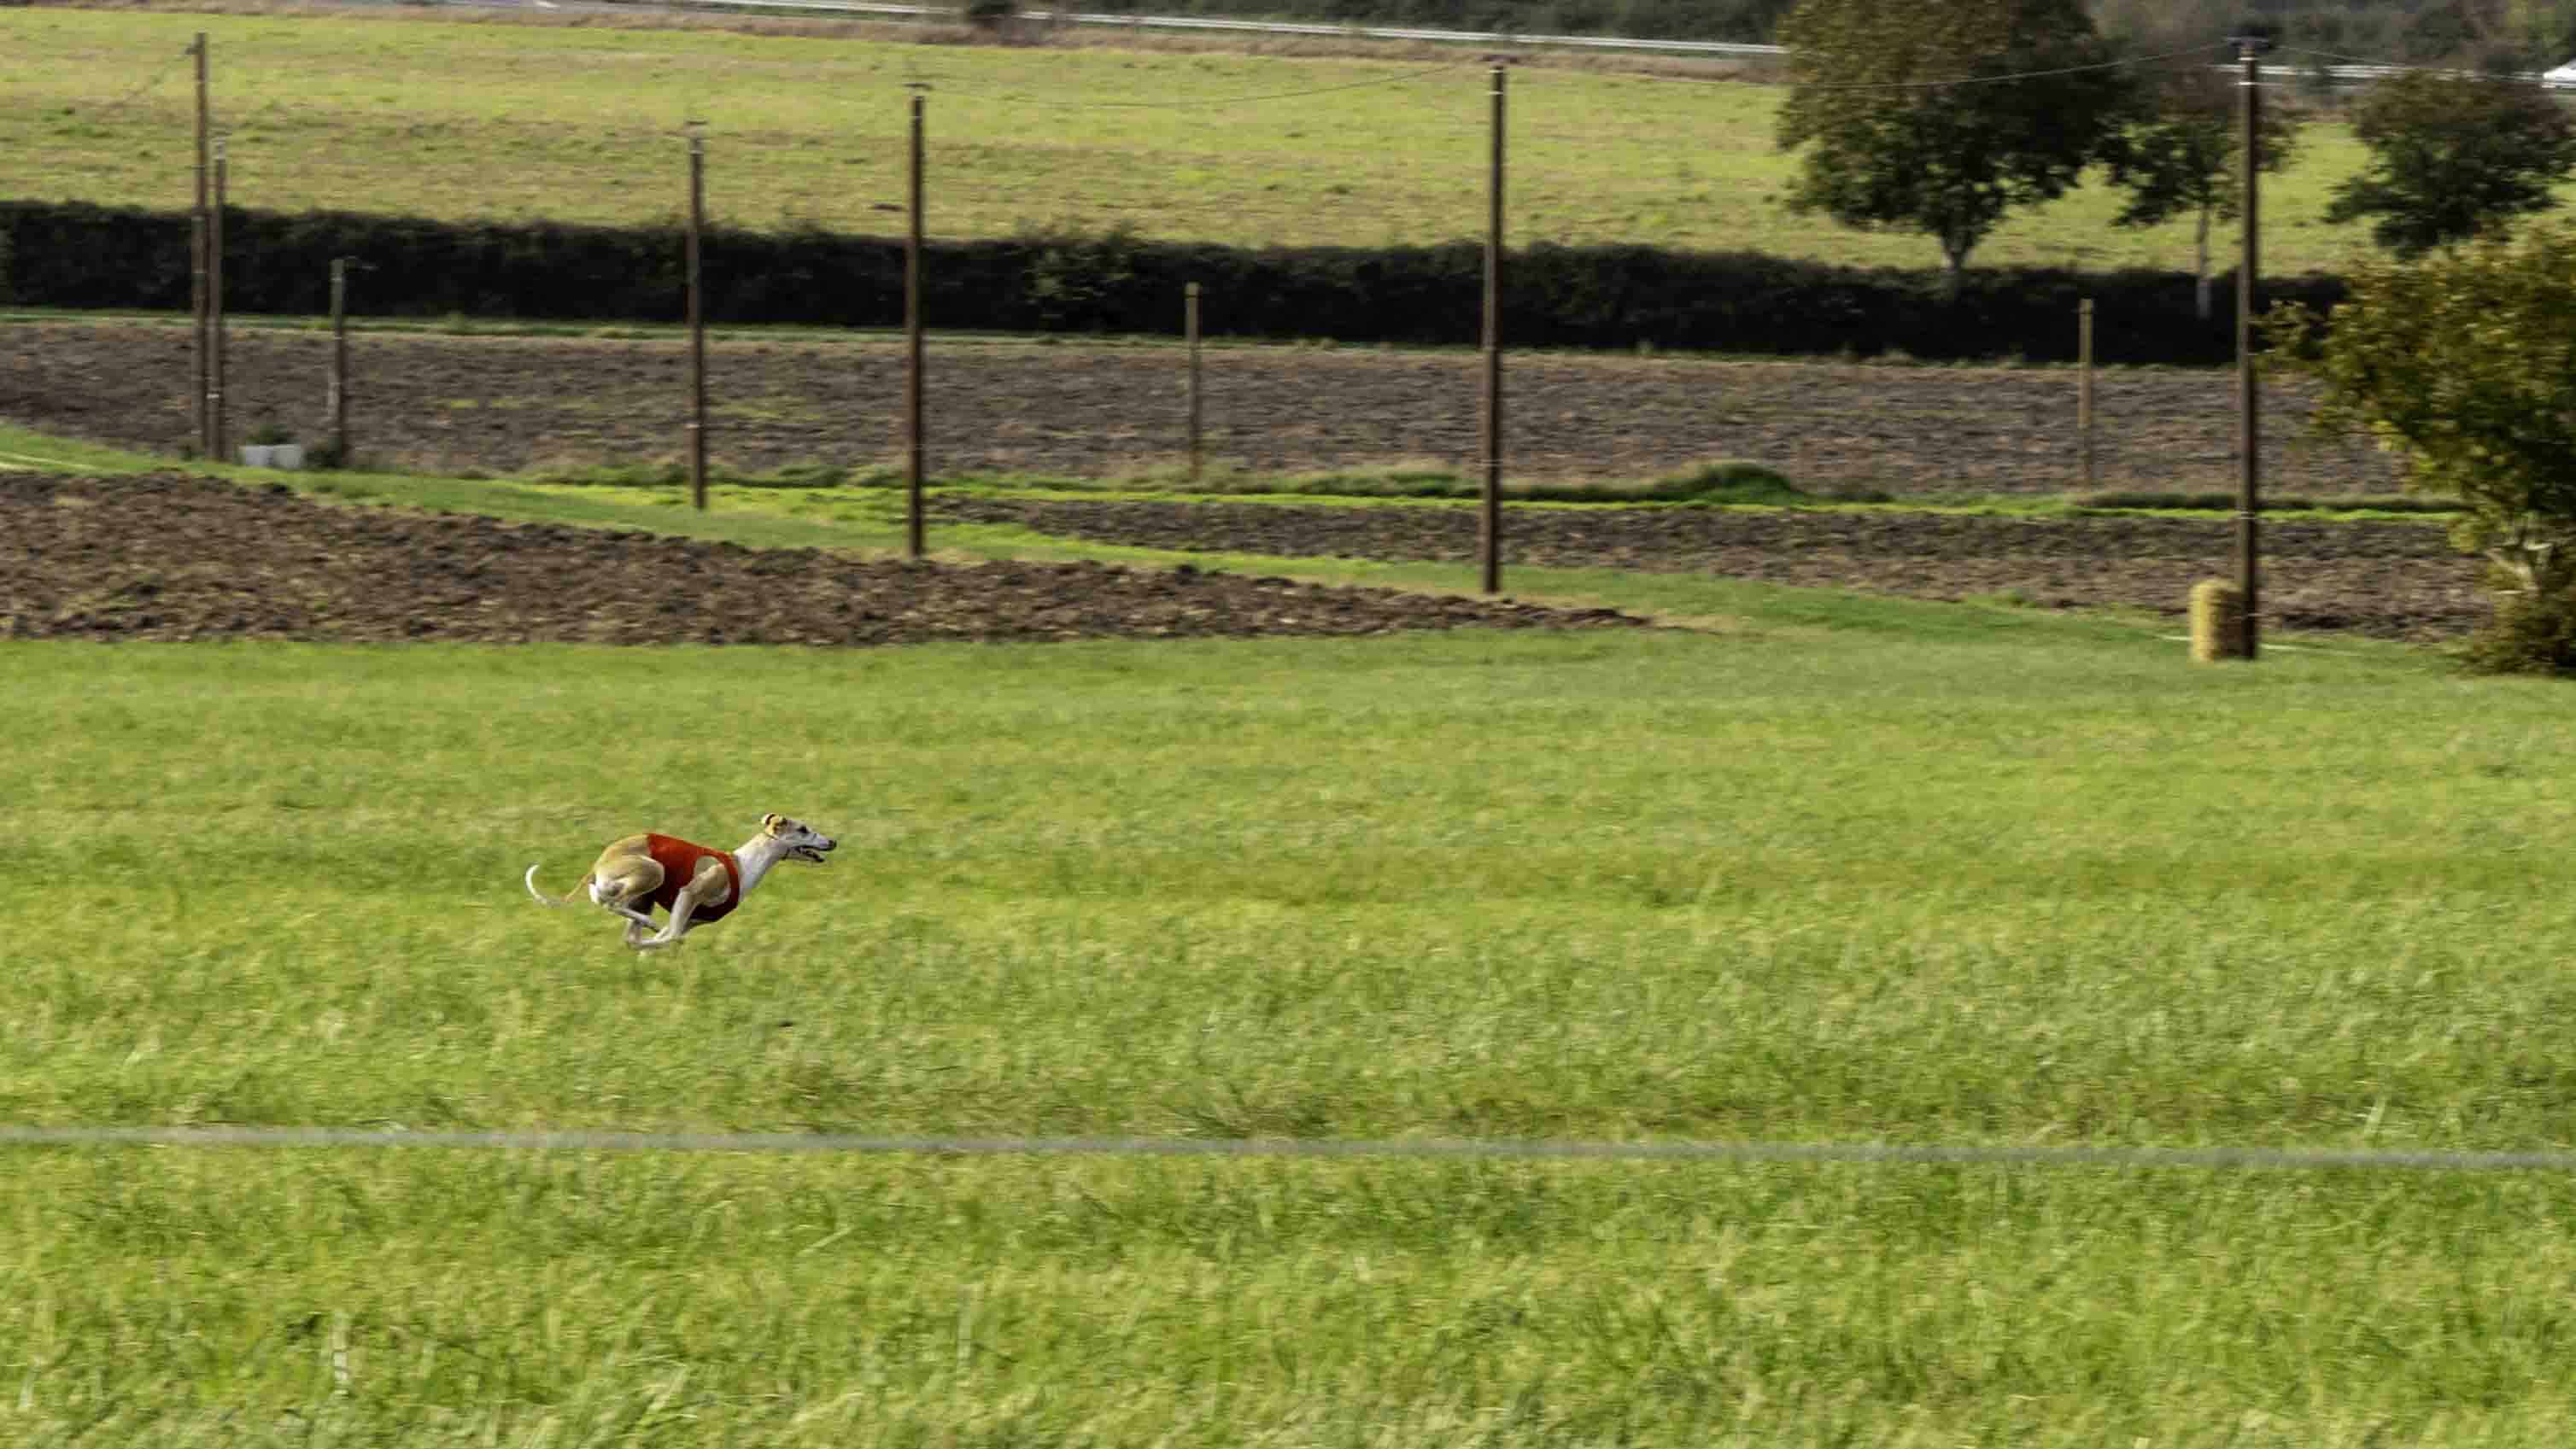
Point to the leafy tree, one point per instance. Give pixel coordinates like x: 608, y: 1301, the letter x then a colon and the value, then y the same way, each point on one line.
x: 2546, y: 29
x: 2178, y: 152
x: 2144, y: 26
x: 2453, y: 157
x: 2464, y: 363
x: 1906, y: 129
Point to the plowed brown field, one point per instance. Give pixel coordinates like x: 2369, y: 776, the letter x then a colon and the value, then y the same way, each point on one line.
x: 167, y: 556
x: 497, y: 405
x: 444, y: 404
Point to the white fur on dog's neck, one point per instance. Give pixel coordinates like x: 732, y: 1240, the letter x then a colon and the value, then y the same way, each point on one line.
x: 754, y: 858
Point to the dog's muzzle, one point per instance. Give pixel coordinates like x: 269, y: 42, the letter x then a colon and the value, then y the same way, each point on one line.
x: 815, y: 853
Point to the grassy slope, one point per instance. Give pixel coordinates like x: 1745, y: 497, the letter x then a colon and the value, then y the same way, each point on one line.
x: 425, y: 1299
x: 1837, y: 870
x: 1287, y: 888
x: 1840, y: 869
x: 578, y: 123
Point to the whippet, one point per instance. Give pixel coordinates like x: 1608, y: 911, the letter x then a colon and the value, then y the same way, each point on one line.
x: 695, y: 884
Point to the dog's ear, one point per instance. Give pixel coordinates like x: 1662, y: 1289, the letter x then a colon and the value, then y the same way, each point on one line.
x: 771, y: 821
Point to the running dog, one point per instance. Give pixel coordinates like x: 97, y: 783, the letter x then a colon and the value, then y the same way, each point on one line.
x: 695, y: 884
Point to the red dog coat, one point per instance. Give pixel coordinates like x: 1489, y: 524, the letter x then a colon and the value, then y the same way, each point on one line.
x: 679, y: 861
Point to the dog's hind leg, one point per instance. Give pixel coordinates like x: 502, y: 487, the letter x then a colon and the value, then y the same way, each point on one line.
x: 712, y: 882
x: 637, y: 920
x: 623, y: 884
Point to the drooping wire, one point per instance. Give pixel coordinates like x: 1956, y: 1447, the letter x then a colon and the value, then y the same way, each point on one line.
x: 989, y: 93
x: 1861, y: 1153
x: 156, y: 78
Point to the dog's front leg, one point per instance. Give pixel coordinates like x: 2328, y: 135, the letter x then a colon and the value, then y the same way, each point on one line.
x: 683, y: 905
x: 711, y: 883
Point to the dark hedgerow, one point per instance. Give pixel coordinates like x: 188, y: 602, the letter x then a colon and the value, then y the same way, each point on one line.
x: 75, y: 255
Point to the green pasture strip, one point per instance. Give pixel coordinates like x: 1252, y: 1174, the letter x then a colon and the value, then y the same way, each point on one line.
x: 861, y: 509
x: 432, y: 117
x: 1362, y: 488
x: 417, y: 1297
x: 853, y: 519
x: 868, y: 522
x: 2041, y: 883
x: 457, y: 325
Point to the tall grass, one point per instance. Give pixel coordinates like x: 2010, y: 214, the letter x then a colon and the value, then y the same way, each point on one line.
x: 1698, y: 886
x: 420, y: 1298
x: 1844, y: 870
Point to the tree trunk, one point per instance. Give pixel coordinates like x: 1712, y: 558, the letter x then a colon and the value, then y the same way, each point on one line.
x: 2534, y: 560
x: 2200, y: 254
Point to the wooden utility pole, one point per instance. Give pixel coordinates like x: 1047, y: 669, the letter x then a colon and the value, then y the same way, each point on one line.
x: 215, y: 315
x: 1490, y: 528
x: 2249, y: 407
x: 2084, y: 387
x: 913, y: 465
x: 339, y: 399
x: 1190, y: 313
x: 697, y: 325
x: 197, y: 264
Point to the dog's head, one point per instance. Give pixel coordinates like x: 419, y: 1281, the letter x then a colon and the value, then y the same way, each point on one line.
x: 803, y: 841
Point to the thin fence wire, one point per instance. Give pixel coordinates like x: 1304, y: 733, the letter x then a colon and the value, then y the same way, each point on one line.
x: 148, y: 83
x: 2282, y: 1159
x: 1005, y: 97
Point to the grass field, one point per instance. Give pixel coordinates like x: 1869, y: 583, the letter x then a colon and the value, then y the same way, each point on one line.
x: 1823, y: 869
x: 1826, y: 870
x: 434, y: 117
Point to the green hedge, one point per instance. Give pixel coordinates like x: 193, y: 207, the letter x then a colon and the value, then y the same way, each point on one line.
x: 80, y: 256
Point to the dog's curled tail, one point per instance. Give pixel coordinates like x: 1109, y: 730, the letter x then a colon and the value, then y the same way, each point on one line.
x: 546, y: 900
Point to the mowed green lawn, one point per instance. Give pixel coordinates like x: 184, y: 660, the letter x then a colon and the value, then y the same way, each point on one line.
x: 582, y: 123
x: 1830, y: 871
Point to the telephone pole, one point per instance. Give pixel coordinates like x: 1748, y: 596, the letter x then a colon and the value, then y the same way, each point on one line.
x: 197, y: 264
x: 2249, y: 397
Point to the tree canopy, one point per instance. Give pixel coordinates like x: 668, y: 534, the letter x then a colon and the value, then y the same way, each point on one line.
x: 2453, y: 157
x: 1940, y: 118
x: 2464, y: 363
x: 2178, y: 151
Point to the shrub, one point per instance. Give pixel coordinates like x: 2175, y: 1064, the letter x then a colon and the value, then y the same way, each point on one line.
x: 1077, y: 279
x: 2530, y: 634
x: 2464, y: 363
